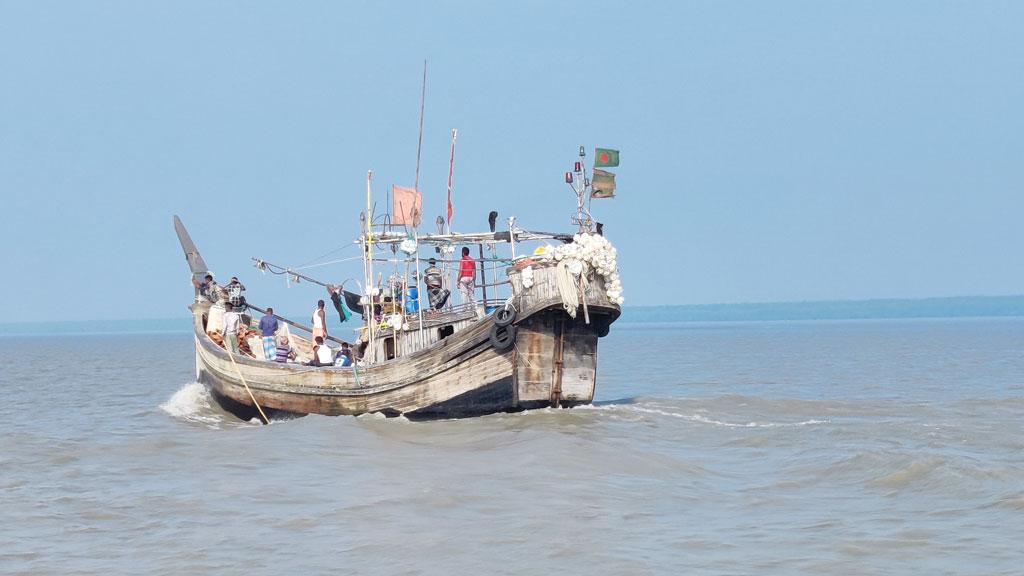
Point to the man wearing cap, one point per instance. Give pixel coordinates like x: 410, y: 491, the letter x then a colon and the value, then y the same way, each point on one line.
x: 234, y: 290
x: 433, y: 278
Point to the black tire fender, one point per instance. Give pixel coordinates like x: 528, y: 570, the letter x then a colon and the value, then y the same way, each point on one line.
x: 503, y: 337
x: 504, y: 316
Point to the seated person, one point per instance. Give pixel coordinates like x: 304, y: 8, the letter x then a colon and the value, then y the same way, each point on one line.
x: 284, y: 351
x: 322, y: 354
x: 344, y: 356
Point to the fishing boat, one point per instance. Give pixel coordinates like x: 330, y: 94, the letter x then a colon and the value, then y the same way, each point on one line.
x: 529, y: 338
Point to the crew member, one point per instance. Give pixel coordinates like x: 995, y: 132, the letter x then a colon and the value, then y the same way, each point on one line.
x: 268, y: 327
x: 208, y: 287
x: 322, y: 353
x: 231, y: 325
x: 467, y: 278
x: 234, y: 290
x: 319, y: 320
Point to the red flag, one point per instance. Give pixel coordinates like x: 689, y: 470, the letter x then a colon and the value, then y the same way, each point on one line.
x: 408, y: 206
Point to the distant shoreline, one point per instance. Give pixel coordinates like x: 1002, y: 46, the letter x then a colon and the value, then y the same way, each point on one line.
x: 877, y: 309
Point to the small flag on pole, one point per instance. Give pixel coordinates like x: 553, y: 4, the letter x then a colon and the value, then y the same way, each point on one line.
x: 606, y: 158
x: 602, y: 184
x: 451, y: 170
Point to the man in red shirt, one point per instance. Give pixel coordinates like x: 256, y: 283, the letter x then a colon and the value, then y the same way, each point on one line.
x: 467, y: 277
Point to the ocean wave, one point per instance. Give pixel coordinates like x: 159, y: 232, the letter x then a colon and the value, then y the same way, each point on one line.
x: 1012, y: 502
x: 912, y: 472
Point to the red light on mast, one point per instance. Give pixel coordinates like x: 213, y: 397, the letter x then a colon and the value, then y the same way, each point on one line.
x: 568, y: 177
x: 579, y: 167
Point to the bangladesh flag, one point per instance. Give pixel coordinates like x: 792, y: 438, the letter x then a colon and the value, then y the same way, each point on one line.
x: 606, y: 158
x: 602, y: 185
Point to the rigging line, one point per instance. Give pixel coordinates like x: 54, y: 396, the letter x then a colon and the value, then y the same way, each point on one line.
x: 326, y: 254
x: 329, y: 262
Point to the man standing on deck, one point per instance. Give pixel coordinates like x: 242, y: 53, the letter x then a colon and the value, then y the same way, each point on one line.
x: 433, y: 276
x: 467, y: 278
x: 319, y: 320
x: 230, y: 333
x: 268, y: 327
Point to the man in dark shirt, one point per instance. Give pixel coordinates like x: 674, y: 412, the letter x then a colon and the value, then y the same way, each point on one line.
x: 268, y: 327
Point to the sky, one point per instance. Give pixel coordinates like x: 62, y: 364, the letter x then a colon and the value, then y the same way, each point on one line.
x: 770, y: 151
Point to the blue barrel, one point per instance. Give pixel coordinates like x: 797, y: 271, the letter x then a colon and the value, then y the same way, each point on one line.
x: 412, y: 300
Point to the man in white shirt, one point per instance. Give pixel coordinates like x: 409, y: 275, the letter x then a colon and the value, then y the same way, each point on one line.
x: 231, y: 321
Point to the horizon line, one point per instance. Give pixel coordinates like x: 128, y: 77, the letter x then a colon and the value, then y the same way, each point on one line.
x: 627, y: 306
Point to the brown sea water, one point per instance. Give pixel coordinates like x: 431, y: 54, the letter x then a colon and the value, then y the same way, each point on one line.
x: 846, y: 447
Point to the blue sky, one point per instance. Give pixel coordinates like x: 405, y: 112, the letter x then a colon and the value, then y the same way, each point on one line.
x: 770, y: 151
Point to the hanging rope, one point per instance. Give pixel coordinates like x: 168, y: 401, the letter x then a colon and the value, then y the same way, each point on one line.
x: 567, y: 288
x: 242, y: 378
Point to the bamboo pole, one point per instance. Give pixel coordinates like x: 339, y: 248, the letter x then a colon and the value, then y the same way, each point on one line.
x: 291, y: 272
x: 483, y: 276
x: 419, y: 298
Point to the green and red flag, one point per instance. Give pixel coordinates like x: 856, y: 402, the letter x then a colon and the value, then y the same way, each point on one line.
x: 606, y: 158
x: 602, y: 185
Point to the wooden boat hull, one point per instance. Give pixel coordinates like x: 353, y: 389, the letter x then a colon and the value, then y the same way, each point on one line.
x: 552, y: 363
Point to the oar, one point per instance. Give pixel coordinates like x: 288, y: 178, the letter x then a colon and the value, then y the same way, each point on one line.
x: 295, y: 324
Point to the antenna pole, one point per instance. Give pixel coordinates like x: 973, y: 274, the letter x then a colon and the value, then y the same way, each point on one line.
x: 419, y: 146
x: 579, y: 182
x: 368, y: 266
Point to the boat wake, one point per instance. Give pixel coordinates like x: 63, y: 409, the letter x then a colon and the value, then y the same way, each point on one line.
x: 194, y: 404
x: 698, y: 413
x: 702, y: 419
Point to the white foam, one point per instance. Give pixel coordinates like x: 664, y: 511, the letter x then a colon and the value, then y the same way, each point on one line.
x: 192, y: 403
x: 705, y: 420
x: 698, y: 417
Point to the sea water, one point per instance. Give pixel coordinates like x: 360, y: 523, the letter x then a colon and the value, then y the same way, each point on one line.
x: 840, y: 447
